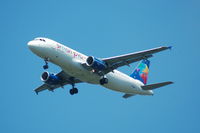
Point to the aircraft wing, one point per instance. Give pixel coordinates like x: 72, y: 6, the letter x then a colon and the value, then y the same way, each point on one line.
x: 65, y: 79
x: 118, y: 61
x: 122, y: 60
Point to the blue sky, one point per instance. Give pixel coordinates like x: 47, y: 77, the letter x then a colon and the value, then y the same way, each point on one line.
x: 101, y: 28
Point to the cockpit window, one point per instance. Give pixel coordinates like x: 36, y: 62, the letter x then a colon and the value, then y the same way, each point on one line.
x: 40, y: 39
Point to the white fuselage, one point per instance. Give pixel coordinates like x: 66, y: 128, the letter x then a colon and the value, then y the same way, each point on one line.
x: 70, y: 61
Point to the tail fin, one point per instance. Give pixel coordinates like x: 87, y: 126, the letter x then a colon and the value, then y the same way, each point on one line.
x: 141, y: 71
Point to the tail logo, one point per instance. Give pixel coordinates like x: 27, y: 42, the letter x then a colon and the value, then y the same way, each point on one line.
x: 142, y: 71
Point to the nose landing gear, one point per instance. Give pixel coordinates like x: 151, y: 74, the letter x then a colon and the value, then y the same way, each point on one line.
x: 46, y: 66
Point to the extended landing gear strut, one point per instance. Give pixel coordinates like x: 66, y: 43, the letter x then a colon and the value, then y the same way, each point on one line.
x: 46, y: 66
x: 73, y: 90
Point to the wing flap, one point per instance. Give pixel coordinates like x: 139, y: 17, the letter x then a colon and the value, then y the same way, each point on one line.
x: 155, y: 86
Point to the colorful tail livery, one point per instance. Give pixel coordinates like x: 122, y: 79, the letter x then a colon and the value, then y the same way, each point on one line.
x: 141, y: 71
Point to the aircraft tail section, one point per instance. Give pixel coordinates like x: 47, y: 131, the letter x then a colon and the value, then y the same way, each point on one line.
x: 141, y: 71
x: 149, y: 87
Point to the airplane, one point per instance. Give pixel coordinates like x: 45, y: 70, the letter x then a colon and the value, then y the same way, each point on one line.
x: 78, y: 68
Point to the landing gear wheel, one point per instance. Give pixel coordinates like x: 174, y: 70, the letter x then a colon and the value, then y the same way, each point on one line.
x: 45, y: 66
x: 73, y: 91
x: 103, y: 81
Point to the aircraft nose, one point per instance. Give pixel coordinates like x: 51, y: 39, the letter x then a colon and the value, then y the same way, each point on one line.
x: 29, y: 43
x: 33, y: 45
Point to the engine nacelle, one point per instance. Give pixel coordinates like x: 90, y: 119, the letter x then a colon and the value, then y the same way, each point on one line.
x: 50, y: 78
x: 95, y: 63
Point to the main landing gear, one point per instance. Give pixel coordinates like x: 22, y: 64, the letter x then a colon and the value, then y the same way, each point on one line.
x: 103, y: 81
x: 46, y: 66
x: 73, y: 90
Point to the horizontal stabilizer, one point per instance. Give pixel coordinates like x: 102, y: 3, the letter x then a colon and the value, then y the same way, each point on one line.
x: 128, y: 95
x: 155, y: 86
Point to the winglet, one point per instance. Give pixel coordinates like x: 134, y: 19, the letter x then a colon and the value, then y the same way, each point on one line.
x: 36, y: 92
x: 170, y: 47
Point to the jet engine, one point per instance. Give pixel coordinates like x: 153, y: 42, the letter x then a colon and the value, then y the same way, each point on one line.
x: 50, y: 78
x: 96, y: 64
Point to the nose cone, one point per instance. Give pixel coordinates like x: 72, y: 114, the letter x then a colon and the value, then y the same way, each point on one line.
x: 33, y: 46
